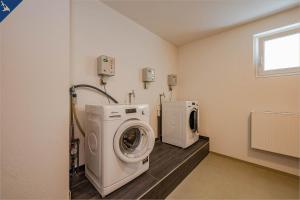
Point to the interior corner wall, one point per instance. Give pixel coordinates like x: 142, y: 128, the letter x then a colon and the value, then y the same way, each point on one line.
x: 0, y: 114
x: 218, y: 71
x: 98, y: 30
x: 34, y: 52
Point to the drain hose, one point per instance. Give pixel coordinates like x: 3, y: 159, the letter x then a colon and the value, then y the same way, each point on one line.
x: 73, y: 95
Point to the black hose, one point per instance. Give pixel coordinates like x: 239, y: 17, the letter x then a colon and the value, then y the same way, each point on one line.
x: 73, y: 109
x: 71, y: 119
x: 73, y: 113
x: 95, y: 88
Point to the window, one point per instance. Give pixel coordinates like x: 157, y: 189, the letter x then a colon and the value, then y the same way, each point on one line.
x: 277, y: 52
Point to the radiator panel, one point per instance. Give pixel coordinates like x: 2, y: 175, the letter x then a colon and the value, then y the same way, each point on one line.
x: 276, y: 132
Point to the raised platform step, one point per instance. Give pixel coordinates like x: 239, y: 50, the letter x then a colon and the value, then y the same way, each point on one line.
x: 169, y: 165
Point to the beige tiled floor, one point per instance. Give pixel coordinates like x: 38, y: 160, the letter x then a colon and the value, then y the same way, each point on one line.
x: 219, y: 177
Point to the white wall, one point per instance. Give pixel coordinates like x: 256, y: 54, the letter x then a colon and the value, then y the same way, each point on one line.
x: 218, y: 72
x: 34, y: 95
x: 98, y: 30
x: 0, y: 111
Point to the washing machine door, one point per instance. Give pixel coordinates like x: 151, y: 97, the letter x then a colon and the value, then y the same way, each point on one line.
x: 134, y: 141
x: 193, y: 120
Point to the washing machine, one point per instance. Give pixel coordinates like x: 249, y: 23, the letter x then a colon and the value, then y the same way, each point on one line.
x: 117, y: 145
x: 180, y: 123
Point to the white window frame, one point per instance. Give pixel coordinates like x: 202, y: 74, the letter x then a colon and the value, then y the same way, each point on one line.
x: 258, y: 50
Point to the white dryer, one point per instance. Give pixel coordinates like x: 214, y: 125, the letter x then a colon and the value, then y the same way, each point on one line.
x: 180, y: 123
x: 117, y: 145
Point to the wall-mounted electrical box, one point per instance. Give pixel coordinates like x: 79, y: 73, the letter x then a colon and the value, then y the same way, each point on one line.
x: 106, y: 66
x: 172, y: 81
x: 148, y: 76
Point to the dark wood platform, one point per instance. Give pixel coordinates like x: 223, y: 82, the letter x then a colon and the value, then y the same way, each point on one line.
x: 169, y: 165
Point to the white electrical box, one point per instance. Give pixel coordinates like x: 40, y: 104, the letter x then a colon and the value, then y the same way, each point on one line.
x: 172, y: 79
x: 148, y: 74
x: 106, y: 65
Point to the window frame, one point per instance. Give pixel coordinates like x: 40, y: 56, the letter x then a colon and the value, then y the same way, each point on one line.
x: 259, y: 41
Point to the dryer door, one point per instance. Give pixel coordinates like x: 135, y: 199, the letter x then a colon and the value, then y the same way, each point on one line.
x: 193, y: 120
x: 134, y: 141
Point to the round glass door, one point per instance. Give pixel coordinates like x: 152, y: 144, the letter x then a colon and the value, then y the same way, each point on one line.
x: 133, y: 141
x: 193, y: 121
x: 130, y: 139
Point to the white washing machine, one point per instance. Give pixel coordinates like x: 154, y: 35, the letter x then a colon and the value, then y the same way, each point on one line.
x: 117, y: 145
x: 180, y: 123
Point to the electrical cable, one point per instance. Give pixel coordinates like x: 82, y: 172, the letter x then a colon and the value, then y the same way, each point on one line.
x: 71, y: 119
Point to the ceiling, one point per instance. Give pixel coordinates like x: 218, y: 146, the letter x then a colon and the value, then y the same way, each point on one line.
x: 182, y: 21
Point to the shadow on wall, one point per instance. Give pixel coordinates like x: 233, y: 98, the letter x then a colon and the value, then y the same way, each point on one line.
x: 270, y: 156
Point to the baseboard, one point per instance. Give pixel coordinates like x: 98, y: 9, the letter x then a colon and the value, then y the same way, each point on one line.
x: 256, y: 165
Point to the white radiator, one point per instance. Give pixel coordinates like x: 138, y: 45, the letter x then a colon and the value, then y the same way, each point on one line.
x: 276, y: 132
